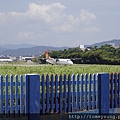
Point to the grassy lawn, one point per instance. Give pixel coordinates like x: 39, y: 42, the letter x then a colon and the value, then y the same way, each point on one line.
x: 12, y: 69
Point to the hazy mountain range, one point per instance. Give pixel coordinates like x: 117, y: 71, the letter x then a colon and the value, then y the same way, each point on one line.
x: 116, y: 42
x: 27, y: 49
x: 23, y: 50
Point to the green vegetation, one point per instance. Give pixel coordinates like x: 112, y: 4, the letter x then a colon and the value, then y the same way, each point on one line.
x: 49, y: 69
x: 13, y: 69
x: 106, y: 54
x: 87, y: 64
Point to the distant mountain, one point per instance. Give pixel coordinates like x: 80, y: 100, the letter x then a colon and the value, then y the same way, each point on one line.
x: 27, y: 49
x: 115, y: 42
x: 2, y: 49
x: 14, y: 46
x: 37, y: 50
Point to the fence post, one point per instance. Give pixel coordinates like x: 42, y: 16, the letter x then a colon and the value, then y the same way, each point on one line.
x: 103, y: 93
x: 32, y: 96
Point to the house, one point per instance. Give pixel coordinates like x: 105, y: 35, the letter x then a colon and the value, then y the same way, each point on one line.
x: 26, y: 58
x: 5, y: 59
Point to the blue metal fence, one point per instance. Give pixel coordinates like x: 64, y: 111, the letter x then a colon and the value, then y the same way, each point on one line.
x: 47, y: 94
x: 115, y: 90
x: 12, y: 95
x: 63, y: 94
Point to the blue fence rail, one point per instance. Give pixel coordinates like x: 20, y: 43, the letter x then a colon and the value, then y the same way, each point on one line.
x: 63, y: 94
x: 114, y: 90
x: 47, y: 94
x: 12, y: 95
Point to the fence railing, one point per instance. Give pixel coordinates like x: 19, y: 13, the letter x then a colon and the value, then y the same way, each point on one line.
x: 12, y: 95
x: 44, y: 94
x: 115, y: 90
x: 63, y: 94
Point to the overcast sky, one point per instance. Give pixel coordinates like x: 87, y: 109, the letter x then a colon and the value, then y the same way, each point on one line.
x: 59, y: 22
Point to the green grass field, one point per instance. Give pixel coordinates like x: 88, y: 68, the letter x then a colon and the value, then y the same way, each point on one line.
x: 12, y: 69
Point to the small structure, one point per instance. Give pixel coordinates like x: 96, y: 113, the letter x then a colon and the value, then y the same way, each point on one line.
x: 26, y: 58
x: 82, y: 47
x: 5, y: 59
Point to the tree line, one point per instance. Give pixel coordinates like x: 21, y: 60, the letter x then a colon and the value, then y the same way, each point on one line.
x: 105, y: 54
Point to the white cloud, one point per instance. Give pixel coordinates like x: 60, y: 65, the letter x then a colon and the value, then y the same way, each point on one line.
x: 86, y: 17
x: 52, y: 15
x: 47, y: 13
x: 45, y: 24
x: 28, y: 35
x: 2, y: 18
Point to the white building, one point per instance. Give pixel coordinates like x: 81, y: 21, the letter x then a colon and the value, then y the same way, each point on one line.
x: 5, y: 59
x: 82, y: 47
x: 26, y: 58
